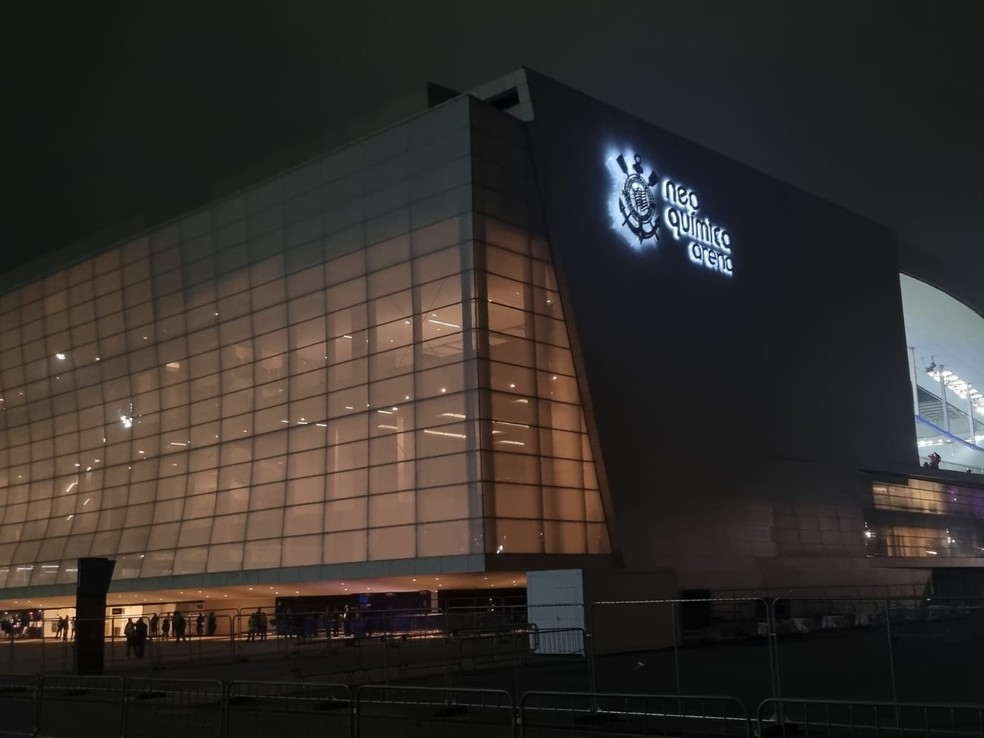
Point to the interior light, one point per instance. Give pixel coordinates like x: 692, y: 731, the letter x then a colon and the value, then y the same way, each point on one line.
x: 60, y: 356
x: 430, y: 432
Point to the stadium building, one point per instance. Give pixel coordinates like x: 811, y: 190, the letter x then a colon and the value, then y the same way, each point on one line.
x: 517, y: 331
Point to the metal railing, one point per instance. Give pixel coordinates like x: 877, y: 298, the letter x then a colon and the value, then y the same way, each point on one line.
x: 569, y: 713
x: 270, y: 708
x: 424, y: 711
x: 850, y: 719
x: 773, y: 647
x: 174, y: 707
x: 80, y: 707
x: 68, y: 706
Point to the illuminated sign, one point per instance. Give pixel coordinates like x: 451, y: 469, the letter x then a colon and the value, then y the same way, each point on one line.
x: 640, y: 203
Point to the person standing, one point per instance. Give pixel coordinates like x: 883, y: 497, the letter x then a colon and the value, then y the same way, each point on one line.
x: 180, y: 625
x: 166, y: 628
x: 200, y: 625
x: 140, y: 637
x: 212, y: 624
x: 130, y: 631
x: 154, y: 625
x: 262, y: 620
x: 253, y: 626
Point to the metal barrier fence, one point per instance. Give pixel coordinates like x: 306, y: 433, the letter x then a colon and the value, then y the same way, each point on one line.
x: 771, y: 647
x: 159, y: 708
x: 432, y: 711
x: 670, y: 632
x: 18, y: 705
x: 99, y: 707
x: 837, y: 719
x: 279, y: 708
x: 69, y: 706
x: 571, y: 714
x: 903, y: 649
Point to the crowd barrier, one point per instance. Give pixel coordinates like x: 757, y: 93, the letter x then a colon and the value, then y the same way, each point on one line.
x: 107, y: 707
x: 69, y: 706
x: 784, y: 642
x: 852, y: 719
x: 428, y: 711
x: 18, y: 705
x: 569, y: 714
x: 269, y: 708
x: 174, y: 707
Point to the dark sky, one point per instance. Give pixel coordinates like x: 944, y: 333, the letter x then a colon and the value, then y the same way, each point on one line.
x: 115, y: 108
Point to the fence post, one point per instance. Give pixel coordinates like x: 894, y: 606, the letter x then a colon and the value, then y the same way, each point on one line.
x: 891, y: 649
x: 232, y: 638
x: 676, y: 645
x: 112, y: 642
x: 590, y: 655
x: 773, y: 641
x: 39, y: 687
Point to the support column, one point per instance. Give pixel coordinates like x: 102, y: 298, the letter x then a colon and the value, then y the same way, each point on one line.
x: 912, y: 379
x: 946, y: 407
x: 971, y: 421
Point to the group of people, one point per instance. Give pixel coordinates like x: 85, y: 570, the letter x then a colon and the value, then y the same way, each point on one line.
x: 61, y: 628
x: 257, y: 626
x: 137, y: 632
x: 136, y: 637
x: 178, y: 625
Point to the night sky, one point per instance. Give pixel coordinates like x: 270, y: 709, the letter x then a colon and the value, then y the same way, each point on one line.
x: 118, y: 109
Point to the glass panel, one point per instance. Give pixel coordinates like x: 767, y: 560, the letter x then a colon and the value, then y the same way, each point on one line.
x: 264, y: 524
x: 304, y: 519
x: 392, y: 509
x: 518, y: 536
x: 444, y: 503
x: 349, y: 514
x: 443, y: 539
x: 392, y: 543
x: 347, y: 546
x: 563, y: 504
x: 569, y: 538
x: 262, y: 554
x: 517, y: 501
x: 303, y: 550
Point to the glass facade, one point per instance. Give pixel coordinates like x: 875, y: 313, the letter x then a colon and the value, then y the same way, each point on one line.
x: 926, y: 518
x: 326, y: 368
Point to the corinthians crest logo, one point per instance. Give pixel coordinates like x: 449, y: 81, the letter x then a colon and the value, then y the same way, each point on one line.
x: 636, y: 200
